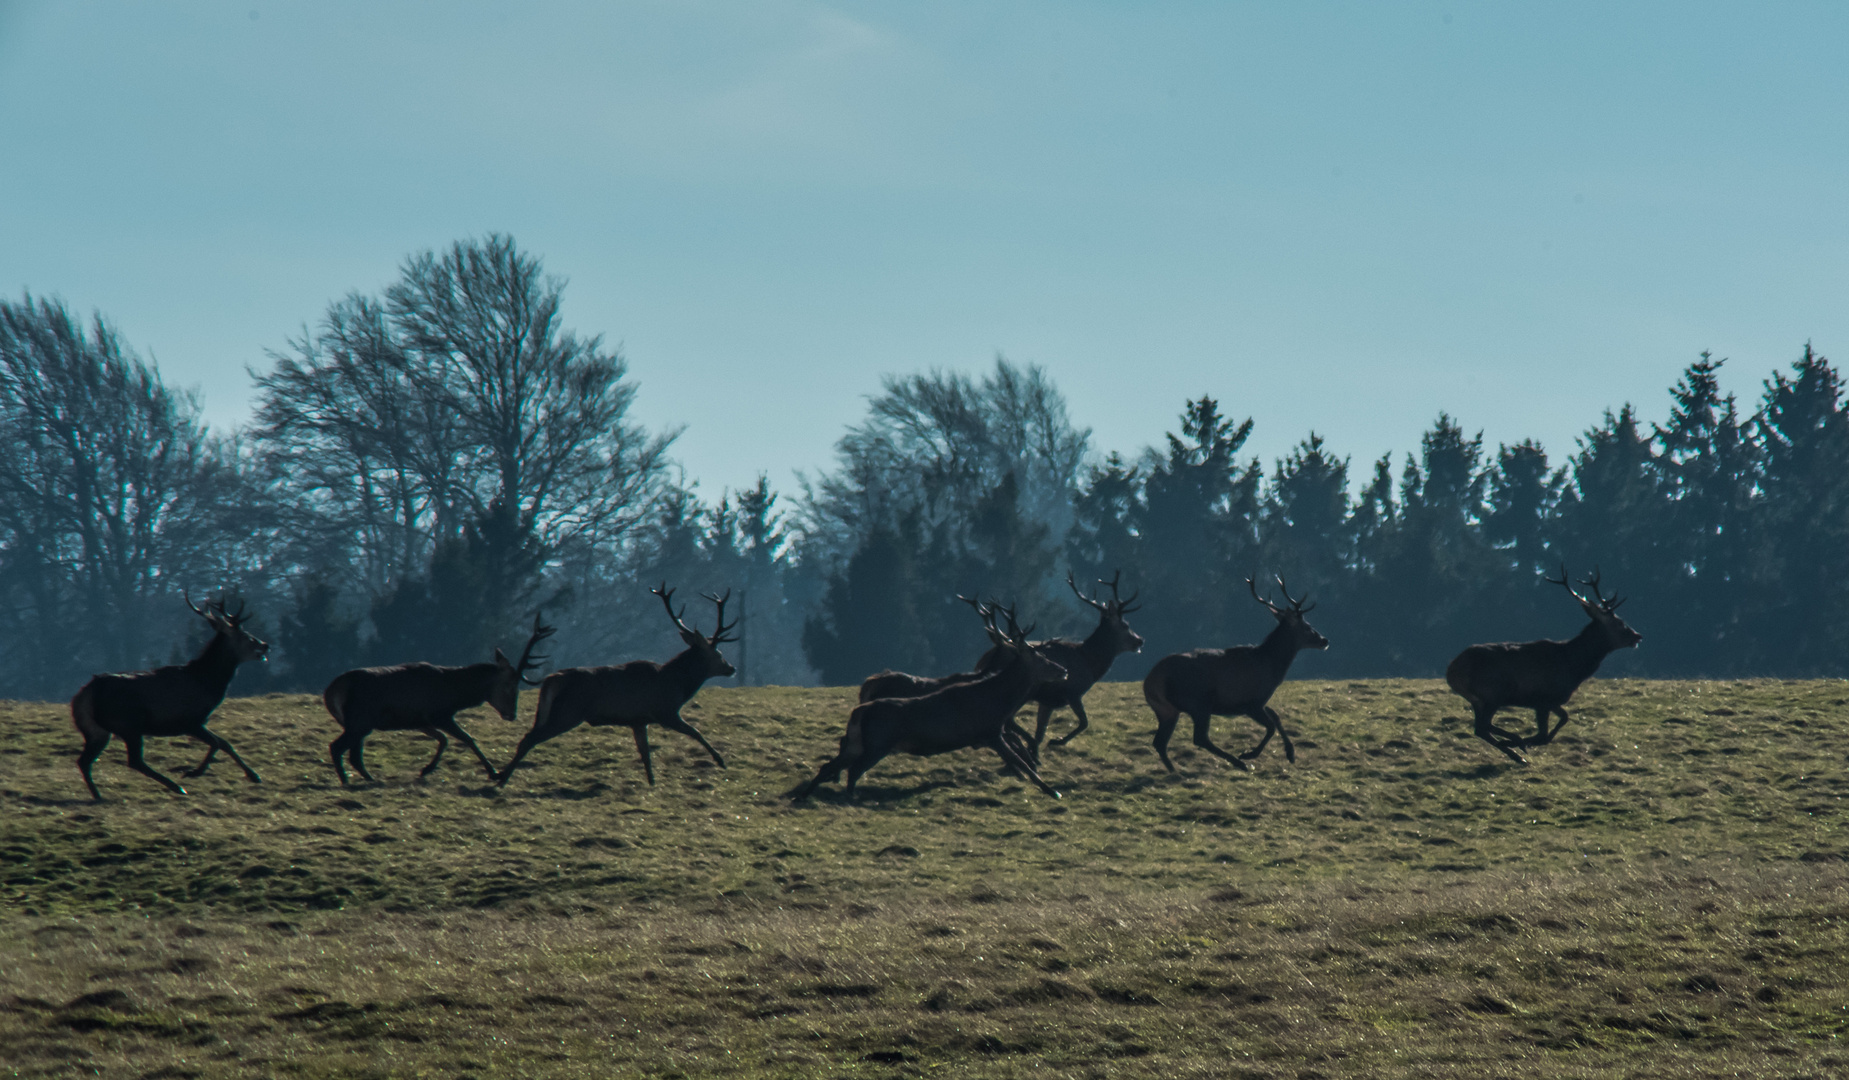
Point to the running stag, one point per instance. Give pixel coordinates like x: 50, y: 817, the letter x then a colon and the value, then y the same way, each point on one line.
x: 635, y: 694
x: 425, y: 698
x: 168, y: 701
x: 962, y: 715
x: 890, y: 683
x: 1539, y: 675
x: 1085, y: 661
x: 1231, y: 682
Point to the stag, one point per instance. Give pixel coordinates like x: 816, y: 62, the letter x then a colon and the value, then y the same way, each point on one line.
x: 958, y: 716
x: 425, y: 698
x: 635, y: 694
x: 890, y: 683
x: 168, y: 701
x: 1085, y: 661
x: 1238, y: 681
x: 1539, y: 675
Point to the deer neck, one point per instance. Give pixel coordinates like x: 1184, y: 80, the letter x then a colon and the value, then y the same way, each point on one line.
x: 475, y: 682
x: 686, y: 672
x: 215, y: 664
x: 1009, y: 683
x: 1099, y: 650
x: 1589, y: 648
x: 1278, y: 649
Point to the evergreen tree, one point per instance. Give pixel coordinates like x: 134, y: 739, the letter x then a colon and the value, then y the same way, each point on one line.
x: 868, y: 619
x: 1796, y: 620
x: 1709, y: 468
x: 1198, y: 530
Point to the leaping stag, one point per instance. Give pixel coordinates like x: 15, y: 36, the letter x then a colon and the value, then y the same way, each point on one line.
x: 1238, y: 681
x: 955, y: 717
x: 425, y: 698
x: 1539, y: 675
x: 897, y: 684
x: 168, y: 701
x: 635, y: 694
x: 1085, y: 661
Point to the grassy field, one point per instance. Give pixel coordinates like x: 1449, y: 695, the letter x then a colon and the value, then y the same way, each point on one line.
x: 1662, y: 892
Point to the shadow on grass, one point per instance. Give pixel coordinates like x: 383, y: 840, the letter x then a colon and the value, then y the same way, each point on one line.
x: 865, y: 793
x: 592, y: 790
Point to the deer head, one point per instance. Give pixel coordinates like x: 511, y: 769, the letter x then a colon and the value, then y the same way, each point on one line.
x: 230, y: 626
x: 1292, y: 617
x: 1600, y: 609
x: 707, y: 648
x: 1111, y: 612
x: 1014, y: 641
x: 505, y: 695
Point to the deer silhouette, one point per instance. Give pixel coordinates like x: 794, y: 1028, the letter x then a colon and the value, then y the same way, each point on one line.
x: 1238, y: 681
x: 1539, y: 675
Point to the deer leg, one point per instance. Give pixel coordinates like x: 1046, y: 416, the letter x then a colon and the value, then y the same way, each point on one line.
x: 1014, y: 761
x: 1277, y: 725
x: 1165, y: 729
x: 826, y: 774
x: 135, y: 762
x: 528, y: 742
x: 675, y: 723
x: 643, y: 748
x: 1486, y: 717
x: 211, y: 753
x: 1078, y: 710
x: 93, y: 747
x: 1202, y: 724
x: 337, y: 750
x: 1495, y: 736
x: 1270, y: 728
x: 1544, y: 736
x: 357, y: 757
x: 442, y: 745
x: 464, y: 738
x: 1040, y: 721
x: 863, y: 764
x: 1024, y: 746
x: 218, y: 742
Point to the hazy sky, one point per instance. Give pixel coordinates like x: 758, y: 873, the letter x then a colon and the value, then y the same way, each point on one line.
x: 1345, y: 217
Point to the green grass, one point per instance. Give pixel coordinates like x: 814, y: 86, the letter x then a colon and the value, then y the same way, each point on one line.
x: 1661, y: 893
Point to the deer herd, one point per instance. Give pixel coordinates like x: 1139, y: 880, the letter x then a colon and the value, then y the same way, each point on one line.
x: 897, y: 713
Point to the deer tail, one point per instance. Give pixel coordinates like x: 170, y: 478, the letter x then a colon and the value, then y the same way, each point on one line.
x: 548, y: 693
x: 335, y: 698
x: 1155, y: 692
x: 83, y: 713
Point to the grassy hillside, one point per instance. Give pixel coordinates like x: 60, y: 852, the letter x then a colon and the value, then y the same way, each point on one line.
x: 1661, y: 892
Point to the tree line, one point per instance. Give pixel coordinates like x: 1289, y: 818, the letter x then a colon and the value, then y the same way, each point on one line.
x: 427, y: 466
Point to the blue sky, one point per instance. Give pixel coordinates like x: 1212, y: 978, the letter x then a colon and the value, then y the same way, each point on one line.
x: 1345, y: 217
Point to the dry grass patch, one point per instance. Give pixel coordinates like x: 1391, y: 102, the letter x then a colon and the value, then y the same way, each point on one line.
x: 1661, y: 893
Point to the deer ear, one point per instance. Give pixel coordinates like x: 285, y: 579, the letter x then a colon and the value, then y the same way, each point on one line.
x: 501, y: 659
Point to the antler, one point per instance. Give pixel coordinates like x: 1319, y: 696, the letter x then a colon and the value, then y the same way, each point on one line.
x: 1607, y: 604
x: 1015, y: 633
x: 1123, y: 606
x: 1115, y: 606
x: 667, y: 601
x: 721, y: 629
x: 1297, y: 604
x: 1562, y: 582
x: 527, y: 660
x: 214, y: 611
x: 1090, y: 601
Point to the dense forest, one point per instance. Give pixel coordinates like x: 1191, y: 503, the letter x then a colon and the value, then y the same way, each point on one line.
x: 427, y: 467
